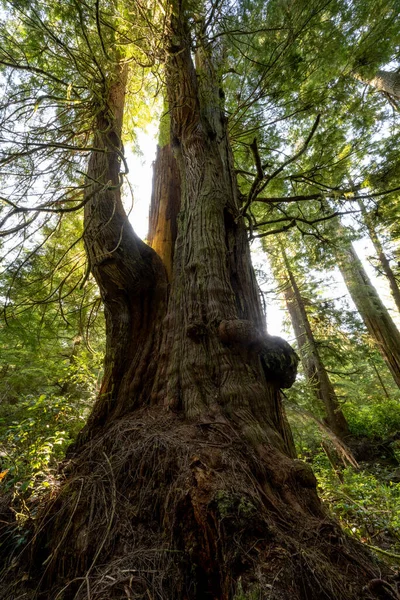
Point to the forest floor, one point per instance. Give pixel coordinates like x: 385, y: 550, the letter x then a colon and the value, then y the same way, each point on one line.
x: 366, y: 501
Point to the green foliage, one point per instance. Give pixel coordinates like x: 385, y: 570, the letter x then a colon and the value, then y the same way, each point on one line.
x: 367, y: 502
x: 379, y: 419
x: 52, y: 343
x: 34, y: 434
x: 57, y: 64
x: 36, y: 428
x: 46, y: 396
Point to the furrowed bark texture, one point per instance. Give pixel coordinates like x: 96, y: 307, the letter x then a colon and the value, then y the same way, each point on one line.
x: 313, y: 366
x: 376, y: 317
x: 184, y: 485
x: 165, y: 206
x: 387, y: 81
x: 213, y: 283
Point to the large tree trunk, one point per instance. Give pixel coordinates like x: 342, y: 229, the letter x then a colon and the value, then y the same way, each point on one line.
x: 314, y: 369
x: 215, y: 346
x: 130, y: 275
x: 385, y: 264
x: 183, y: 485
x: 387, y: 81
x: 376, y: 317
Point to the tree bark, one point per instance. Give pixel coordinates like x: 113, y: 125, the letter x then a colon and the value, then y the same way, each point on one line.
x: 313, y: 366
x: 387, y: 81
x: 184, y: 485
x: 165, y: 206
x: 212, y: 281
x: 376, y: 317
x: 130, y: 275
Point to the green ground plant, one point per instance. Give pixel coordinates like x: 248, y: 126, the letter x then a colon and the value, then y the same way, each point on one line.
x: 34, y: 435
x: 366, y: 502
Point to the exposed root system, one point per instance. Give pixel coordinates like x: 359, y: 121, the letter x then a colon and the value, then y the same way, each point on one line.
x: 159, y: 508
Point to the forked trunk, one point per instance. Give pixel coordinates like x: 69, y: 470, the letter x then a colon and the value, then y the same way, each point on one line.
x: 183, y: 485
x: 130, y: 275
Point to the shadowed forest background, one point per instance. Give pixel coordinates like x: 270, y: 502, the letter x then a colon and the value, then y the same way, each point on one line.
x: 278, y: 131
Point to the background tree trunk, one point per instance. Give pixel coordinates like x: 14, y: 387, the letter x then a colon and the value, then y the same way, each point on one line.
x: 385, y: 264
x: 313, y: 366
x: 376, y: 318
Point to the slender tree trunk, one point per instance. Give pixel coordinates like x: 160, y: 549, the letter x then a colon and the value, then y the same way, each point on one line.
x: 385, y: 264
x: 376, y: 317
x: 183, y: 485
x: 380, y: 380
x: 313, y: 366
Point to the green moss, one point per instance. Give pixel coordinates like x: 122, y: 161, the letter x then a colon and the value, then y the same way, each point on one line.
x: 224, y: 502
x: 164, y: 133
x: 246, y: 508
x: 254, y: 593
x: 231, y: 505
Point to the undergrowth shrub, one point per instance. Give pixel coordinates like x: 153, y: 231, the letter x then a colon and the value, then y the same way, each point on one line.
x: 366, y: 502
x: 378, y: 419
x: 34, y: 435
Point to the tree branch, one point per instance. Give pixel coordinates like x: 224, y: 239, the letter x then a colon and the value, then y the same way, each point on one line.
x: 256, y: 188
x: 295, y: 156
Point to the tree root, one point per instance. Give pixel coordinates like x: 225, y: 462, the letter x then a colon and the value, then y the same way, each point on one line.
x: 157, y: 507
